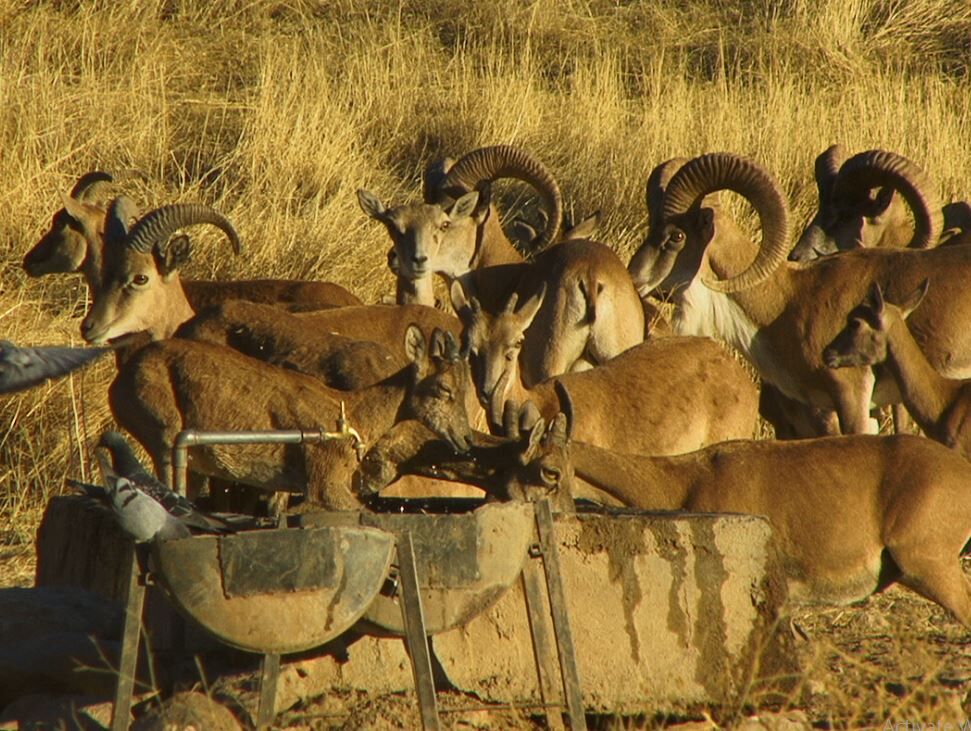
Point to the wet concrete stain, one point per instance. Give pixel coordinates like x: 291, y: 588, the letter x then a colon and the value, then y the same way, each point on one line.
x: 621, y: 539
x: 670, y: 547
x: 713, y: 671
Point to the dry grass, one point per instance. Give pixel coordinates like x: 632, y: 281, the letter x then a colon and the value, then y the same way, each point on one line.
x: 277, y: 111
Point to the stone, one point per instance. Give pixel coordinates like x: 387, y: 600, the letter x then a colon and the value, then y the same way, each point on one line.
x: 188, y: 711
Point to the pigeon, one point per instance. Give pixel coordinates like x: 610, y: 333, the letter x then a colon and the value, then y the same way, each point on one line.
x: 125, y: 464
x: 22, y: 368
x: 139, y: 515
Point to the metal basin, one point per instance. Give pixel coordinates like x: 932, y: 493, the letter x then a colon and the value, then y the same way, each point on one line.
x: 465, y: 562
x: 275, y: 591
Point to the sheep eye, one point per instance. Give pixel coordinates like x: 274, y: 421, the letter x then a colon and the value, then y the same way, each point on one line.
x: 140, y: 280
x: 445, y: 225
x: 549, y: 474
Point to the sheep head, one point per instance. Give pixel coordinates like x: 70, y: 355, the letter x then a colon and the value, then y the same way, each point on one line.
x: 439, y: 386
x: 674, y: 252
x: 455, y: 224
x: 494, y: 341
x: 141, y: 289
x: 75, y: 232
x: 864, y: 339
x: 543, y: 467
x: 859, y: 205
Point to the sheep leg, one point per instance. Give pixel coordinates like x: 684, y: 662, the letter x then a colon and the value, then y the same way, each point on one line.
x: 940, y: 580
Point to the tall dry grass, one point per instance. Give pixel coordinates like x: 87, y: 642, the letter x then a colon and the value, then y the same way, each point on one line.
x: 276, y: 112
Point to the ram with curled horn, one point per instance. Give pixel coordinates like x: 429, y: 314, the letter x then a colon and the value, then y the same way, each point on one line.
x: 781, y: 315
x: 75, y: 242
x: 876, y: 199
x: 456, y: 227
x: 141, y: 289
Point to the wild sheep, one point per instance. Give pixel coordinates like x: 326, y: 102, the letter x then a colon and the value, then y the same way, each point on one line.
x: 660, y: 397
x: 456, y: 228
x: 572, y: 308
x: 297, y: 341
x: 876, y: 198
x: 75, y: 242
x: 851, y: 516
x: 171, y: 385
x: 781, y: 315
x: 876, y: 332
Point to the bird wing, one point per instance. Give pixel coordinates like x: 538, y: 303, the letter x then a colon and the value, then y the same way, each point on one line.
x: 141, y: 516
x: 21, y: 368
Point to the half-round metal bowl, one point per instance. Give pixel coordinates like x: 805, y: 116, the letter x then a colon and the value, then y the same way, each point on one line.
x: 275, y: 591
x: 465, y: 562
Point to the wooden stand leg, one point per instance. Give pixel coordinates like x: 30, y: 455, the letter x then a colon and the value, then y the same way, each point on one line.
x: 269, y: 675
x: 543, y: 649
x: 415, y: 635
x: 561, y: 620
x: 128, y: 661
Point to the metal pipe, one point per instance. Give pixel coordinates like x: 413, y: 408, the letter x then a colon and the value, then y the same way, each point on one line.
x: 196, y: 437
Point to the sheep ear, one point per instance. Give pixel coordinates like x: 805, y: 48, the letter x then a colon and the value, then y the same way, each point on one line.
x: 456, y: 293
x: 371, y: 204
x: 874, y: 298
x: 530, y: 307
x: 174, y: 255
x: 464, y: 206
x: 415, y: 345
x: 533, y: 442
x: 706, y: 222
x: 882, y: 201
x: 914, y: 299
x: 73, y: 207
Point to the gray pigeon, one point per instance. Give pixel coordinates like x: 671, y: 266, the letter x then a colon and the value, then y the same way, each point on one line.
x: 21, y: 368
x: 139, y: 515
x: 125, y: 464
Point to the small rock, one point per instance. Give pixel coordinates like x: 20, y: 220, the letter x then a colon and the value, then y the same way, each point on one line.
x: 188, y: 711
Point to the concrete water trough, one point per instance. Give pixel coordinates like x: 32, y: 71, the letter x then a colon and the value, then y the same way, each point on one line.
x: 666, y: 612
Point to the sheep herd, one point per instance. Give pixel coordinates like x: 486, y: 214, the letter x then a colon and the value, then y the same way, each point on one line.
x: 555, y: 376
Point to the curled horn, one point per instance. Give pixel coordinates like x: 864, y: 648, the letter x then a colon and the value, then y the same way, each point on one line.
x: 156, y: 226
x: 485, y: 164
x: 87, y: 183
x: 566, y: 407
x: 880, y: 168
x: 657, y: 183
x: 827, y: 167
x: 726, y: 171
